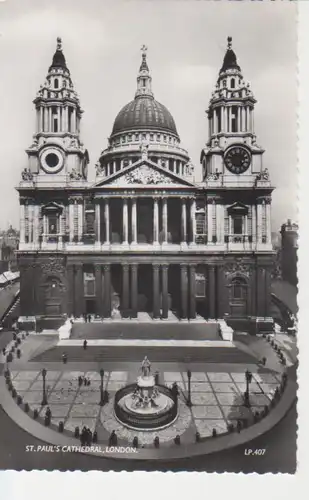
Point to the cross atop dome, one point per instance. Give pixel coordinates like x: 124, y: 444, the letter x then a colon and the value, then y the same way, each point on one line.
x: 229, y: 42
x: 144, y: 78
x: 144, y: 65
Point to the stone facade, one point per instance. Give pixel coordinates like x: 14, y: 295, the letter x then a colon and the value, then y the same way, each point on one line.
x: 145, y: 236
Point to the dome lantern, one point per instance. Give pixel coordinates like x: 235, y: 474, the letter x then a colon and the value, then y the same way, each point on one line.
x: 143, y: 78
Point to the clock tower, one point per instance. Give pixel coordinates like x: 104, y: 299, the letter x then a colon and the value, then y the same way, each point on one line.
x: 238, y: 192
x: 57, y: 154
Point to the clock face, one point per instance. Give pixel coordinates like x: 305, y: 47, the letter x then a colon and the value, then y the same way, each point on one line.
x: 51, y: 160
x: 237, y: 160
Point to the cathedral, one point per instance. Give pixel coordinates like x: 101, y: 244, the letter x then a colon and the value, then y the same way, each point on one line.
x: 146, y: 238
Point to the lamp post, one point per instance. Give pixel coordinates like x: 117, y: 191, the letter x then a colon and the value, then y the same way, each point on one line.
x: 189, y: 402
x: 248, y: 376
x: 44, y: 400
x: 101, y: 388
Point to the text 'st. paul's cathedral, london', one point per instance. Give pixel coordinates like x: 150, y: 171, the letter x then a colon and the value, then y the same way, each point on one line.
x: 146, y: 238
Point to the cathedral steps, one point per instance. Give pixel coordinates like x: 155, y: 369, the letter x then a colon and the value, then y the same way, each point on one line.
x: 155, y: 353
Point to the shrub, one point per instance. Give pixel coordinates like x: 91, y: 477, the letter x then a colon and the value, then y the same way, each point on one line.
x: 19, y: 400
x: 60, y: 426
x: 26, y: 407
x: 76, y: 432
x: 135, y: 442
x: 35, y: 414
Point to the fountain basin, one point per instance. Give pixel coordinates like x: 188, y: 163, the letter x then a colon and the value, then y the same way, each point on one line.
x: 152, y: 416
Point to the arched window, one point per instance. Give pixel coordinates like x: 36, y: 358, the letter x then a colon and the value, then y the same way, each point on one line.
x: 239, y: 288
x: 232, y: 83
x: 56, y: 83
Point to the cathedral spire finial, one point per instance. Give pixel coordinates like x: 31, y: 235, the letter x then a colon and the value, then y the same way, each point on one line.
x: 229, y: 42
x: 144, y: 65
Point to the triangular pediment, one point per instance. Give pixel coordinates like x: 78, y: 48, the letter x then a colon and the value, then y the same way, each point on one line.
x: 144, y: 173
x: 52, y: 207
x: 238, y: 208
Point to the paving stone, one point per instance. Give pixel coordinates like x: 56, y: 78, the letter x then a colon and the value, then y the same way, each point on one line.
x: 206, y: 412
x: 32, y: 397
x: 51, y: 375
x: 238, y: 377
x: 59, y: 410
x: 26, y: 375
x: 88, y: 397
x: 96, y: 375
x: 229, y: 399
x: 265, y: 378
x: 252, y: 388
x: 219, y: 377
x: 21, y: 385
x: 80, y: 422
x: 259, y: 400
x: 205, y: 427
x: 119, y: 376
x: 115, y: 386
x: 173, y: 377
x: 65, y: 385
x: 224, y: 387
x: 84, y: 410
x: 269, y: 388
x: 203, y: 398
x: 196, y: 377
x: 72, y: 375
x: 61, y: 397
x: 236, y: 412
x: 199, y: 387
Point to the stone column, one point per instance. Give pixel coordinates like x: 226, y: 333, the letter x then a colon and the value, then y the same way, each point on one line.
x: 164, y: 218
x: 79, y: 290
x: 22, y: 223
x: 259, y: 223
x: 70, y: 291
x: 193, y: 221
x: 134, y: 290
x: 175, y: 166
x: 134, y: 221
x: 66, y: 118
x: 36, y: 229
x: 209, y: 221
x: 73, y: 121
x: 238, y: 126
x: 125, y: 290
x: 165, y: 304
x: 41, y: 125
x: 80, y: 221
x: 230, y: 119
x: 156, y: 291
x: 184, y: 290
x: 222, y: 119
x: 221, y: 292
x: 261, y: 292
x: 49, y: 119
x: 212, y: 292
x: 71, y: 221
x: 107, y: 291
x: 225, y: 120
x: 192, y: 293
x: 268, y: 223
x: 98, y: 223
x: 125, y: 235
x: 98, y: 288
x: 184, y: 236
x: 106, y: 219
x: 253, y: 224
x: 155, y: 221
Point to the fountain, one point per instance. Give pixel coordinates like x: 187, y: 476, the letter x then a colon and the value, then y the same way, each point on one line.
x: 146, y: 405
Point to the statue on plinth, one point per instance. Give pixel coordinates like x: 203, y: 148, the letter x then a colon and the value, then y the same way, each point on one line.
x: 146, y: 366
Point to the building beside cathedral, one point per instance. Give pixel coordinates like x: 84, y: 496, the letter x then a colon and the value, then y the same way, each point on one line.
x: 145, y: 237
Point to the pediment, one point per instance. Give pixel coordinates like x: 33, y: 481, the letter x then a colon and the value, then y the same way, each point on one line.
x: 144, y: 173
x: 238, y: 208
x: 52, y: 207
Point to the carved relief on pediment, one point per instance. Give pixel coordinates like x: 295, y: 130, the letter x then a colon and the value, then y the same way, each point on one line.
x: 143, y: 175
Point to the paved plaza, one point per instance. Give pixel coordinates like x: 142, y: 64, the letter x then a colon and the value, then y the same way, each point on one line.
x: 217, y: 399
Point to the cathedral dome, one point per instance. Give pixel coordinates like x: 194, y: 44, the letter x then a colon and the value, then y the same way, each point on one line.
x: 144, y: 112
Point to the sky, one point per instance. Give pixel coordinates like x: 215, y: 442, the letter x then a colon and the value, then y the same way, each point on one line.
x: 186, y: 43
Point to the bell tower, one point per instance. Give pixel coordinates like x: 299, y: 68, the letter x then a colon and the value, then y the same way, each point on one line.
x: 57, y: 155
x: 231, y: 151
